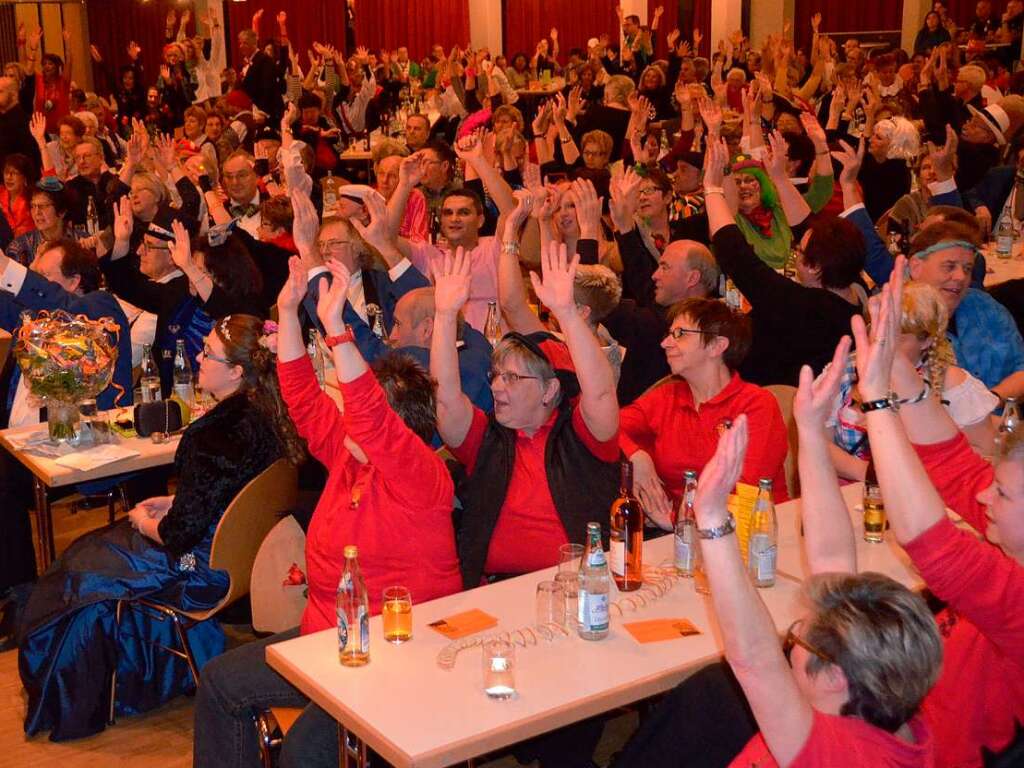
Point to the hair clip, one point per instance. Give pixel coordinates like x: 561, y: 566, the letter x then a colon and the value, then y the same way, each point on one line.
x: 224, y: 330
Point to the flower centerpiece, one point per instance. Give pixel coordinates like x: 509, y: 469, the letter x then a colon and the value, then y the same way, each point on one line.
x: 66, y: 359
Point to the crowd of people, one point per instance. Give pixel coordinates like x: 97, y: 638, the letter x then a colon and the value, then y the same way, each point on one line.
x: 556, y: 261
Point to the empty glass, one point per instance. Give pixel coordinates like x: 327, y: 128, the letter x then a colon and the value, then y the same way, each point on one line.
x: 569, y: 557
x: 570, y: 583
x: 499, y: 662
x: 550, y: 604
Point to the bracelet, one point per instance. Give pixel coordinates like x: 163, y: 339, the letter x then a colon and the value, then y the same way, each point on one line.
x: 729, y: 526
x: 566, y: 140
x: 921, y: 396
x: 883, y: 403
x: 714, y: 191
x: 510, y: 248
x: 342, y: 338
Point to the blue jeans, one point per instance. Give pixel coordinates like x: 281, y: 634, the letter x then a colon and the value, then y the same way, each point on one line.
x: 238, y: 685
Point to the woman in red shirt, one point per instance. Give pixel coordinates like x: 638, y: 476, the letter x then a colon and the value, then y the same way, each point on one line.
x: 675, y: 426
x: 16, y: 194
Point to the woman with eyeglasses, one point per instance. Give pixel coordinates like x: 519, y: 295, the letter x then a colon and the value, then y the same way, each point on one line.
x: 48, y: 207
x: 71, y: 639
x: 675, y: 425
x: 546, y: 459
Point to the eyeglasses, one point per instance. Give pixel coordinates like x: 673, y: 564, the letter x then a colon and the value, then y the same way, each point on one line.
x: 41, y: 206
x: 151, y: 247
x: 593, y: 153
x: 508, y: 378
x: 334, y: 245
x: 208, y: 355
x: 792, y: 638
x: 678, y: 333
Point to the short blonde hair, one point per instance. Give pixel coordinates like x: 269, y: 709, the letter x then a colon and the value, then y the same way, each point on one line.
x: 603, y: 140
x: 388, y: 148
x: 597, y: 287
x: 618, y: 89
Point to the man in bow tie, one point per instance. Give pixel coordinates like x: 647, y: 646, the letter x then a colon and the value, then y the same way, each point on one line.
x: 242, y: 187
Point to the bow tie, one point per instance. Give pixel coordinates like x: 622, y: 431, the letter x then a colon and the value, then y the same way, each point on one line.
x: 243, y: 211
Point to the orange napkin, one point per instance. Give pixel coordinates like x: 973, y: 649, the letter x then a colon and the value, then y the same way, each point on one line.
x: 656, y: 630
x: 465, y: 623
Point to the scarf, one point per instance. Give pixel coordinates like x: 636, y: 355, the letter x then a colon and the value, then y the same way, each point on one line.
x: 761, y: 218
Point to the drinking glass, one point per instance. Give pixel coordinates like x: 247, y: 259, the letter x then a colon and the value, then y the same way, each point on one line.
x: 550, y: 604
x: 569, y: 557
x: 499, y: 661
x: 396, y: 613
x: 570, y: 583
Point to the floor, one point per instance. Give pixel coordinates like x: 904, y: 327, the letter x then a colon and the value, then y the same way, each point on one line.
x: 163, y: 738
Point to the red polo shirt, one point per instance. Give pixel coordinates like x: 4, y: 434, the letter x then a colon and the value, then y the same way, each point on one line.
x: 529, y: 531
x: 680, y: 436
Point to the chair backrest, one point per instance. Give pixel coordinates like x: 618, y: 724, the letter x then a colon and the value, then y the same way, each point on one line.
x: 663, y: 380
x: 247, y: 520
x: 784, y: 395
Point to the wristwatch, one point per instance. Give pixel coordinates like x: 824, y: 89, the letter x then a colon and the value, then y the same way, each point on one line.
x: 729, y: 526
x: 342, y: 338
x: 889, y: 401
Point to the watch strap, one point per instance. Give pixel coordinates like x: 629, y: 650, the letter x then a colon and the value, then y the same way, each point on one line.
x: 729, y: 526
x: 342, y: 338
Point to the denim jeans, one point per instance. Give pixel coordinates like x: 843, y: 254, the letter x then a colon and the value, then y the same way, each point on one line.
x: 234, y: 688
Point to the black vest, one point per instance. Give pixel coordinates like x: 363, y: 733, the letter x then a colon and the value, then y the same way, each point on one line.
x: 582, y: 486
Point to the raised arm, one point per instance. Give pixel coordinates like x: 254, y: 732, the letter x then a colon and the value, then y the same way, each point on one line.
x: 512, y: 296
x: 471, y: 151
x: 410, y: 173
x: 451, y: 292
x: 181, y: 253
x: 598, y: 403
x: 828, y: 534
x: 793, y: 204
x: 748, y: 633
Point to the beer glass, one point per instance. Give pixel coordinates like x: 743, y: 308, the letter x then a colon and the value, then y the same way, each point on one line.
x: 499, y: 662
x: 550, y: 604
x: 396, y: 613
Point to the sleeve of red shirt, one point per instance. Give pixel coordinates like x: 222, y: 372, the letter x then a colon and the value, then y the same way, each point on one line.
x: 959, y: 475
x: 414, y: 223
x: 768, y: 441
x: 636, y: 430
x: 466, y: 452
x: 419, y: 475
x: 315, y: 415
x: 977, y: 580
x: 606, y: 450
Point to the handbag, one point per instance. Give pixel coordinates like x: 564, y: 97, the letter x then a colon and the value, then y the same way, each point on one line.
x: 158, y: 416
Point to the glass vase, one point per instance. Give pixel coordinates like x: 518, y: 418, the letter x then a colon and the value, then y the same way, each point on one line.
x: 62, y: 419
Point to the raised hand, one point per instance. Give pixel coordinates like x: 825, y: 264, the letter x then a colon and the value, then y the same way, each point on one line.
x: 815, y: 397
x: 451, y: 282
x: 181, y: 249
x: 377, y: 233
x: 711, y: 114
x: 519, y: 214
x: 294, y: 289
x: 588, y: 207
x: 850, y: 160
x: 625, y: 198
x: 37, y: 127
x: 123, y: 221
x: 172, y: 18
x: 942, y: 158
x: 715, y: 159
x: 165, y: 72
x: 134, y: 50
x: 554, y: 288
x: 672, y: 38
x: 305, y: 226
x: 94, y: 52
x: 775, y: 158
x: 186, y: 16
x: 575, y: 103
x: 813, y: 130
x: 720, y: 474
x: 411, y: 171
x: 331, y: 303
x: 164, y: 154
x: 554, y: 33
x: 362, y: 55
x: 470, y: 147
x: 816, y: 21
x: 282, y: 18
x: 697, y: 37
x: 876, y: 350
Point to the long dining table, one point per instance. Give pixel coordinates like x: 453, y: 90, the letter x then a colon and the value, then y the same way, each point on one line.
x: 414, y: 712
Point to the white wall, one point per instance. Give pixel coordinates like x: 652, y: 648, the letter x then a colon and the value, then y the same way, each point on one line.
x: 485, y: 24
x: 727, y: 17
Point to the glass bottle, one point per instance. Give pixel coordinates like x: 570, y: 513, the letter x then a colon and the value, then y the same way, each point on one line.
x: 592, y: 605
x: 184, y: 390
x: 353, y: 609
x: 1004, y: 235
x: 764, y: 532
x: 150, y: 379
x: 687, y: 547
x: 92, y: 220
x: 627, y: 534
x: 874, y: 506
x: 330, y: 189
x: 492, y: 325
x: 316, y: 354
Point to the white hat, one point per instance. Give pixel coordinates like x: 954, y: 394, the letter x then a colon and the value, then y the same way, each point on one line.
x: 357, y: 193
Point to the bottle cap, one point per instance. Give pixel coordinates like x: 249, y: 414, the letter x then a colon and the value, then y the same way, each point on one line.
x: 351, y: 550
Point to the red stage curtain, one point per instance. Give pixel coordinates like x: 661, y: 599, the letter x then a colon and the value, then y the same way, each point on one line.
x: 417, y: 24
x: 702, y: 21
x: 671, y: 19
x: 308, y: 22
x: 527, y: 21
x: 845, y: 16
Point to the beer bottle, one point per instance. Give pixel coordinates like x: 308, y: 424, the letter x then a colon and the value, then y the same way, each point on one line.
x: 687, y: 549
x: 353, y: 609
x: 764, y: 531
x: 874, y: 506
x: 627, y: 533
x: 184, y: 385
x: 1009, y: 424
x: 592, y: 606
x: 150, y: 380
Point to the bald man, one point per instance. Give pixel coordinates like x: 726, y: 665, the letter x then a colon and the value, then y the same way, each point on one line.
x: 411, y: 332
x: 14, y: 134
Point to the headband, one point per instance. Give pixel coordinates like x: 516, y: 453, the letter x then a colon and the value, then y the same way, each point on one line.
x: 943, y: 246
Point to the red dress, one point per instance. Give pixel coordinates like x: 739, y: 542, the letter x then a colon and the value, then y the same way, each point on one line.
x: 16, y: 211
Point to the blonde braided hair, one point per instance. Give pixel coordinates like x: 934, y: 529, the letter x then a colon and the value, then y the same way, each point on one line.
x: 924, y: 315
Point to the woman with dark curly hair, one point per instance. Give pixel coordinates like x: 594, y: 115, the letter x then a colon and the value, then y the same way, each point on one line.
x: 70, y: 638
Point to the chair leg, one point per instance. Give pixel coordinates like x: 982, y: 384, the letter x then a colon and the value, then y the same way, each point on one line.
x: 187, y: 648
x: 113, y: 673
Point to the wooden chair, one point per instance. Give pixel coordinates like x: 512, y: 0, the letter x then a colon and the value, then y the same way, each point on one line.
x: 246, y: 521
x: 784, y: 395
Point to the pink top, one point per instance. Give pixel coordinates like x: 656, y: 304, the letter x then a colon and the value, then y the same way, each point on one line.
x: 483, y: 274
